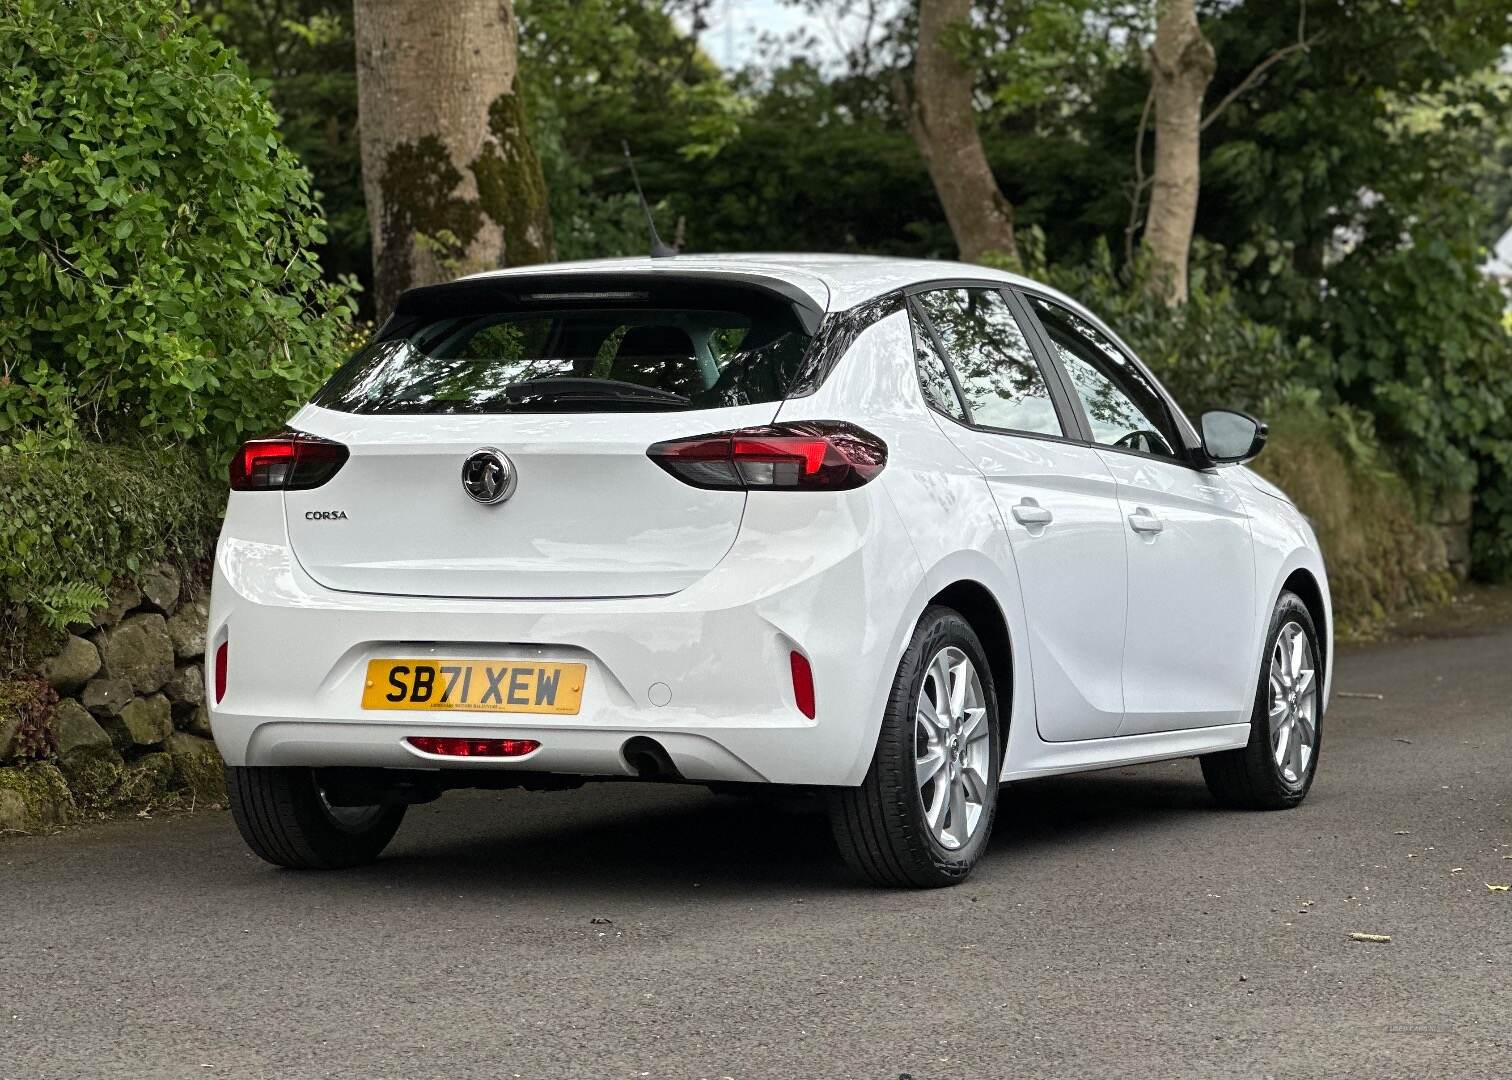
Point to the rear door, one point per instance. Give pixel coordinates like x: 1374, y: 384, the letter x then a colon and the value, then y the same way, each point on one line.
x: 1192, y: 642
x: 498, y: 444
x: 1056, y: 497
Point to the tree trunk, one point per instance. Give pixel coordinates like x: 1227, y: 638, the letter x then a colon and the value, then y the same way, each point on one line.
x: 1181, y: 66
x: 942, y: 122
x: 452, y: 183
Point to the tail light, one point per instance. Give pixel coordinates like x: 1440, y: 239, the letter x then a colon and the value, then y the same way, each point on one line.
x: 450, y: 747
x: 812, y: 455
x: 288, y: 461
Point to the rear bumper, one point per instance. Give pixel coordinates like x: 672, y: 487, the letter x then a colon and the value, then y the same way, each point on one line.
x: 705, y: 672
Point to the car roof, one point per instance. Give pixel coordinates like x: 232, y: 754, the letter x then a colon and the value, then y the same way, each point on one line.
x: 833, y: 282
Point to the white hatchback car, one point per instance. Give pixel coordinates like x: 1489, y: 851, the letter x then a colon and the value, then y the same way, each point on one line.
x: 895, y: 530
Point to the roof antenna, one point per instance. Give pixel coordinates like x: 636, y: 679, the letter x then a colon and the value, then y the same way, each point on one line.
x: 659, y: 250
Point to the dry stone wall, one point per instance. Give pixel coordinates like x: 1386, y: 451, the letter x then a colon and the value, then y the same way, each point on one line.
x: 116, y: 717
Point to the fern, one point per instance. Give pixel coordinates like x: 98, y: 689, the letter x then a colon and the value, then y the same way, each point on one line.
x: 61, y: 605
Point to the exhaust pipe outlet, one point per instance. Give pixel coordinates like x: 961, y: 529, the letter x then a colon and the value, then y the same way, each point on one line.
x: 649, y: 759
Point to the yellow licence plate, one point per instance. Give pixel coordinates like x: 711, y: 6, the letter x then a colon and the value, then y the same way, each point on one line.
x: 518, y: 686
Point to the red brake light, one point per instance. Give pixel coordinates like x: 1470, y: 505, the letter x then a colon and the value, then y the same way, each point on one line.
x: 449, y: 747
x: 803, y: 683
x: 811, y: 455
x: 290, y: 461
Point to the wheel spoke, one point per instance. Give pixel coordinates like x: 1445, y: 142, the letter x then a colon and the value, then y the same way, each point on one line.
x: 958, y: 813
x: 1278, y: 673
x: 928, y: 766
x: 939, y: 670
x: 928, y: 718
x: 1305, y: 680
x: 975, y: 728
x: 1298, y: 648
x: 1306, y: 732
x: 960, y: 676
x: 934, y: 813
x: 974, y: 785
x: 1281, y: 744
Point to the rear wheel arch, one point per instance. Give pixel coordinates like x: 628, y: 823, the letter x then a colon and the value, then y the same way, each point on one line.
x: 977, y: 605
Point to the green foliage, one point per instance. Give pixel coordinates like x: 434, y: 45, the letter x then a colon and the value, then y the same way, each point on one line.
x: 597, y: 73
x: 60, y: 606
x: 808, y: 173
x: 154, y: 233
x: 1208, y: 353
x: 73, y: 517
x: 303, y: 54
x: 1381, y: 555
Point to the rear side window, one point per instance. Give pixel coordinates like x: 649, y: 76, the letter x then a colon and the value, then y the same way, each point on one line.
x: 999, y: 376
x: 934, y: 377
x: 586, y: 358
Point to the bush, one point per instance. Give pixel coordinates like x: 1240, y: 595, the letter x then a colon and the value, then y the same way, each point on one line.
x: 1381, y: 555
x: 73, y: 517
x: 1208, y: 353
x: 1418, y: 335
x: 155, y: 235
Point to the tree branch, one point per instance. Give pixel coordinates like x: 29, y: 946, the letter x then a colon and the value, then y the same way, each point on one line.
x: 1140, y: 183
x: 1254, y: 76
x: 1302, y: 44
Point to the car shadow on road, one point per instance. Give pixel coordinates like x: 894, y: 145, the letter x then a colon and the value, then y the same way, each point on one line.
x: 644, y: 839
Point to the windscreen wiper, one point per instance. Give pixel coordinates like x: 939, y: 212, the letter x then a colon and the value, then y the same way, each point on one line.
x: 566, y: 386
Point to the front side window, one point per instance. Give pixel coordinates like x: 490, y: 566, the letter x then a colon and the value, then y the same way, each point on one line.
x: 1000, y: 379
x: 573, y: 359
x: 1122, y: 405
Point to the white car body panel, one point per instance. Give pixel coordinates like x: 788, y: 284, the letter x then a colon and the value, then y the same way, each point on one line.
x: 595, y: 517
x: 1073, y: 573
x: 1191, y: 631
x: 709, y: 611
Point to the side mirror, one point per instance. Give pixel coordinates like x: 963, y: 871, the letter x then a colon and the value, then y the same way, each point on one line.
x: 1230, y: 437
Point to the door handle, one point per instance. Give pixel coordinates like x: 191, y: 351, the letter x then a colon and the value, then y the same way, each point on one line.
x: 1028, y: 512
x: 1142, y: 521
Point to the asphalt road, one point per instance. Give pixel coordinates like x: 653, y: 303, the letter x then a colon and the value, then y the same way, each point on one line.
x: 1122, y: 926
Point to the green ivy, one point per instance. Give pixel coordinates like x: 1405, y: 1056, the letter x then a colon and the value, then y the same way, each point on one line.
x: 155, y: 234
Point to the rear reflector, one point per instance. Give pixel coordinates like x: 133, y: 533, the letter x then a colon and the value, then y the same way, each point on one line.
x: 471, y: 748
x: 803, y: 684
x: 220, y: 672
x: 813, y: 455
x: 289, y: 461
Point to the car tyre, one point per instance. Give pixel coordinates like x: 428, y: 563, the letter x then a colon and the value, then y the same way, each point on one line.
x: 1274, y: 770
x: 900, y: 828
x: 284, y: 817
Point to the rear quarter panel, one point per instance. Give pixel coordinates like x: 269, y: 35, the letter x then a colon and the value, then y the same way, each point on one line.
x: 943, y: 506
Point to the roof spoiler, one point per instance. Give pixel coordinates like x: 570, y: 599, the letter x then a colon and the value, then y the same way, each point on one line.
x: 730, y: 290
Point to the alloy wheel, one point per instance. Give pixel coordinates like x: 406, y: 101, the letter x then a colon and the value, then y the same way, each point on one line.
x: 952, y: 748
x: 1293, y: 703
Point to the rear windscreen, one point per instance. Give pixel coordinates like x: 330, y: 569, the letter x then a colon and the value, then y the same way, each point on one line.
x: 596, y: 357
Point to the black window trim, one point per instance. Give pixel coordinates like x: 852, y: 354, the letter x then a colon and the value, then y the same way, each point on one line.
x: 1061, y: 400
x: 1186, y: 454
x: 917, y: 319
